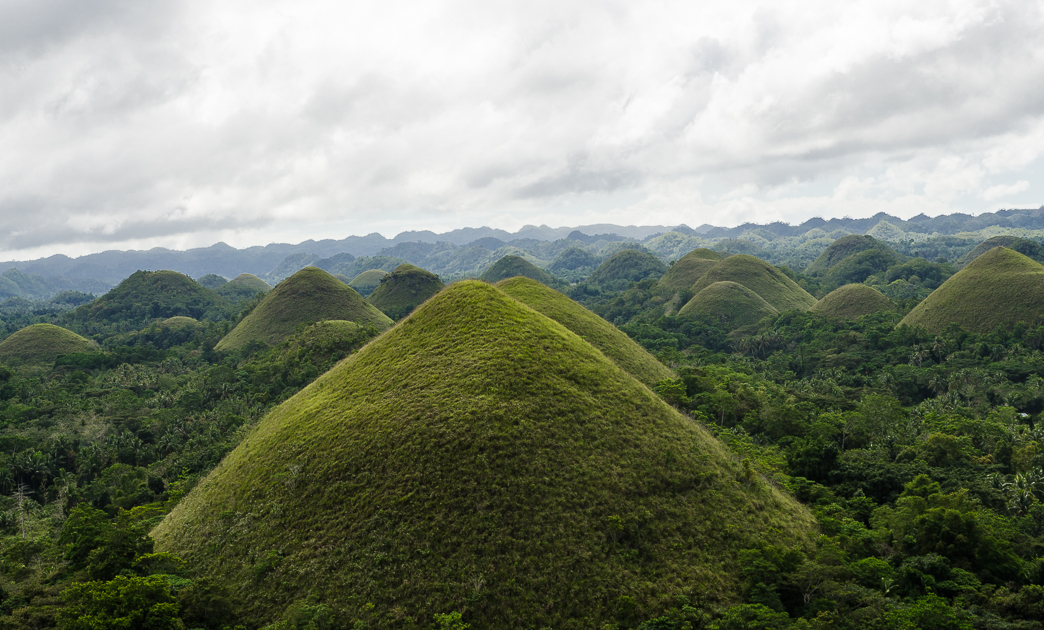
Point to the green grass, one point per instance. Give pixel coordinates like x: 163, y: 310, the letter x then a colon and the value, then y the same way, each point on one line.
x: 730, y: 303
x: 624, y: 267
x: 840, y: 249
x: 42, y: 343
x: 308, y: 296
x: 367, y: 281
x: 148, y: 295
x: 999, y: 288
x: 512, y: 266
x: 687, y: 270
x: 479, y: 457
x: 179, y: 321
x: 852, y: 301
x: 760, y: 277
x: 613, y: 343
x: 212, y: 281
x: 404, y: 289
x: 1023, y: 246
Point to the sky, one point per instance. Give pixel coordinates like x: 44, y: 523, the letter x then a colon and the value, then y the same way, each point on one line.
x: 126, y: 124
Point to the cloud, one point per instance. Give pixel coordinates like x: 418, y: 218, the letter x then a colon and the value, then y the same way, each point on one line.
x: 198, y: 121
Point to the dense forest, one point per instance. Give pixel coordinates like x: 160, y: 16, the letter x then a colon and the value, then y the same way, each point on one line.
x: 916, y: 446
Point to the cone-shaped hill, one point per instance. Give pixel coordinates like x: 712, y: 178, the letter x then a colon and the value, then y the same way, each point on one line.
x: 839, y: 250
x: 624, y: 267
x: 730, y: 303
x: 853, y: 259
x: 404, y: 289
x: 1023, y: 246
x: 1001, y: 287
x: 688, y: 269
x: 511, y: 266
x: 179, y: 322
x: 245, y: 286
x: 760, y: 277
x: 852, y: 301
x: 307, y: 296
x: 367, y: 281
x: 482, y: 458
x: 147, y: 295
x: 613, y: 343
x: 42, y: 343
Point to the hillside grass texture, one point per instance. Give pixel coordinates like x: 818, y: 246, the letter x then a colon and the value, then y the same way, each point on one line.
x: 367, y: 281
x: 853, y: 301
x: 615, y: 344
x: 480, y: 458
x: 730, y: 303
x: 404, y: 289
x: 42, y: 343
x: 1023, y: 246
x: 839, y: 250
x: 624, y: 267
x: 306, y: 297
x: 245, y: 286
x: 771, y: 284
x: 999, y: 288
x: 687, y: 270
x: 511, y: 266
x: 147, y: 295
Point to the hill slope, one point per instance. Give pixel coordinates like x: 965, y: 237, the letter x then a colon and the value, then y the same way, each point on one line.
x: 1023, y: 246
x: 730, y: 303
x: 308, y: 296
x: 511, y: 266
x: 1000, y: 287
x: 478, y: 457
x: 147, y: 295
x: 839, y: 250
x: 760, y: 277
x: 852, y: 301
x: 42, y: 343
x: 688, y: 269
x: 367, y: 281
x: 613, y: 343
x: 404, y: 289
x: 245, y: 286
x: 624, y: 267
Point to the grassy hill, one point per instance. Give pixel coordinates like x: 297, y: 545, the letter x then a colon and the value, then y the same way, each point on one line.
x: 148, y: 295
x: 1023, y: 246
x: 481, y: 458
x: 687, y: 270
x: 511, y: 266
x: 42, y: 343
x: 852, y: 301
x: 367, y: 281
x: 179, y: 321
x: 613, y: 343
x: 212, y: 281
x: 760, y: 277
x: 404, y: 289
x: 1000, y: 287
x: 839, y: 250
x: 245, y: 286
x: 852, y: 259
x: 624, y: 267
x: 730, y: 303
x: 308, y: 296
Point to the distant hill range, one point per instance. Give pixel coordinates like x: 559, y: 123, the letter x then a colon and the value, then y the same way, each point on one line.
x: 468, y: 252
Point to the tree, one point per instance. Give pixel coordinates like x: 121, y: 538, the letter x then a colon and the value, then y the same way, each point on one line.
x: 124, y: 603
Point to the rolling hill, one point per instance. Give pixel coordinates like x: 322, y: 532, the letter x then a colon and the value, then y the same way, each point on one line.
x: 852, y: 301
x: 771, y: 284
x: 624, y: 267
x: 245, y: 286
x: 613, y: 343
x: 478, y: 457
x: 42, y: 343
x: 687, y: 270
x: 404, y: 289
x: 148, y: 295
x: 999, y: 288
x: 1023, y: 246
x: 730, y: 303
x: 511, y: 266
x: 367, y: 281
x: 308, y: 296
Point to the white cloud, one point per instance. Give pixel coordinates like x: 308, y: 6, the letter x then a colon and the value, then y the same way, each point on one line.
x: 1000, y: 191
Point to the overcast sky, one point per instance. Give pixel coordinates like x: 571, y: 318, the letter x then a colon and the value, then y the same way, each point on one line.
x: 126, y: 124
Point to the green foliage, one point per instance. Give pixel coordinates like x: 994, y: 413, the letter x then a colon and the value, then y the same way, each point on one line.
x: 367, y: 281
x: 1023, y: 246
x: 149, y: 295
x: 307, y: 296
x: 512, y: 266
x: 624, y: 267
x: 243, y: 287
x: 124, y: 603
x: 844, y: 249
x: 403, y: 290
x: 852, y: 301
x: 42, y: 343
x: 211, y: 281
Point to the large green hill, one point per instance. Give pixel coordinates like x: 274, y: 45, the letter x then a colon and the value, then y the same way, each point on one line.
x: 730, y: 303
x: 404, y: 289
x: 1023, y: 246
x: 511, y: 266
x: 42, y: 343
x: 624, y: 267
x: 687, y: 270
x: 854, y: 258
x: 999, y: 288
x: 308, y: 296
x: 613, y: 343
x: 839, y: 250
x: 852, y: 301
x: 367, y: 281
x: 148, y: 295
x: 760, y: 277
x: 245, y: 286
x: 482, y: 458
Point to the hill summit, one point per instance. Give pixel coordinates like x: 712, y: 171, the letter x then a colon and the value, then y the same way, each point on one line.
x: 42, y: 343
x: 730, y: 303
x: 852, y: 301
x: 999, y: 288
x: 308, y: 296
x: 478, y: 457
x: 688, y: 269
x: 624, y: 267
x: 404, y: 289
x: 511, y: 266
x: 148, y: 295
x: 771, y: 284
